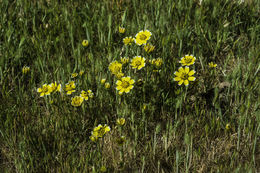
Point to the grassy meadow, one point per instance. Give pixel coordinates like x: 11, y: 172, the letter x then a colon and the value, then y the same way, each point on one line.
x: 164, y: 118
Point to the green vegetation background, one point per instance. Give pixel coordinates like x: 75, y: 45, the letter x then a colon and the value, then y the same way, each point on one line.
x: 181, y: 129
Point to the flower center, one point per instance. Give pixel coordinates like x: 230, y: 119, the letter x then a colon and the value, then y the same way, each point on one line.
x: 185, y: 76
x: 188, y: 60
x: 45, y: 89
x: 143, y: 37
x: 125, y: 84
x: 138, y: 63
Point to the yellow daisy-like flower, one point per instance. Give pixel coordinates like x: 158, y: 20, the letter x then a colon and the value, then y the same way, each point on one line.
x: 121, y: 30
x: 103, y: 81
x: 107, y: 85
x: 187, y: 60
x: 149, y: 48
x: 70, y: 87
x: 184, y: 76
x: 157, y: 62
x: 90, y: 94
x: 212, y: 65
x: 128, y: 40
x: 100, y: 130
x: 25, y: 69
x: 73, y: 75
x: 138, y: 62
x: 125, y: 85
x: 84, y: 95
x: 142, y: 37
x: 44, y: 90
x: 115, y: 67
x: 120, y: 121
x: 124, y: 60
x: 54, y: 87
x: 85, y: 43
x: 76, y: 101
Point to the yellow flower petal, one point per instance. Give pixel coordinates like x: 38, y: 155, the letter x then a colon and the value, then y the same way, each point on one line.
x: 191, y: 78
x: 187, y: 69
x: 191, y: 73
x: 181, y: 70
x: 127, y: 90
x: 178, y: 74
x: 119, y: 87
x: 186, y: 82
x: 177, y: 79
x: 118, y: 82
x: 132, y: 81
x: 180, y: 82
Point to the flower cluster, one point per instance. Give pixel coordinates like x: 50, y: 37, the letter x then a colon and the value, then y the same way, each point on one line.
x: 115, y: 68
x: 124, y: 84
x: 69, y: 89
x: 99, y: 132
x: 184, y: 74
x: 47, y: 89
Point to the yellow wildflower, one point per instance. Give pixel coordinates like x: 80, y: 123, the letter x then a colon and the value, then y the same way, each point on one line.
x: 44, y: 90
x: 121, y: 30
x: 138, y: 62
x: 227, y: 126
x: 85, y: 43
x: 187, y: 60
x: 107, y: 85
x: 25, y: 69
x: 76, y: 101
x: 142, y: 37
x: 90, y: 94
x: 124, y: 60
x: 84, y: 95
x: 103, y: 81
x: 70, y: 87
x: 120, y: 121
x: 115, y: 67
x: 149, y: 48
x: 54, y: 87
x: 184, y: 76
x: 125, y: 85
x: 128, y: 40
x: 212, y: 65
x: 100, y: 130
x: 157, y: 62
x: 73, y: 75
